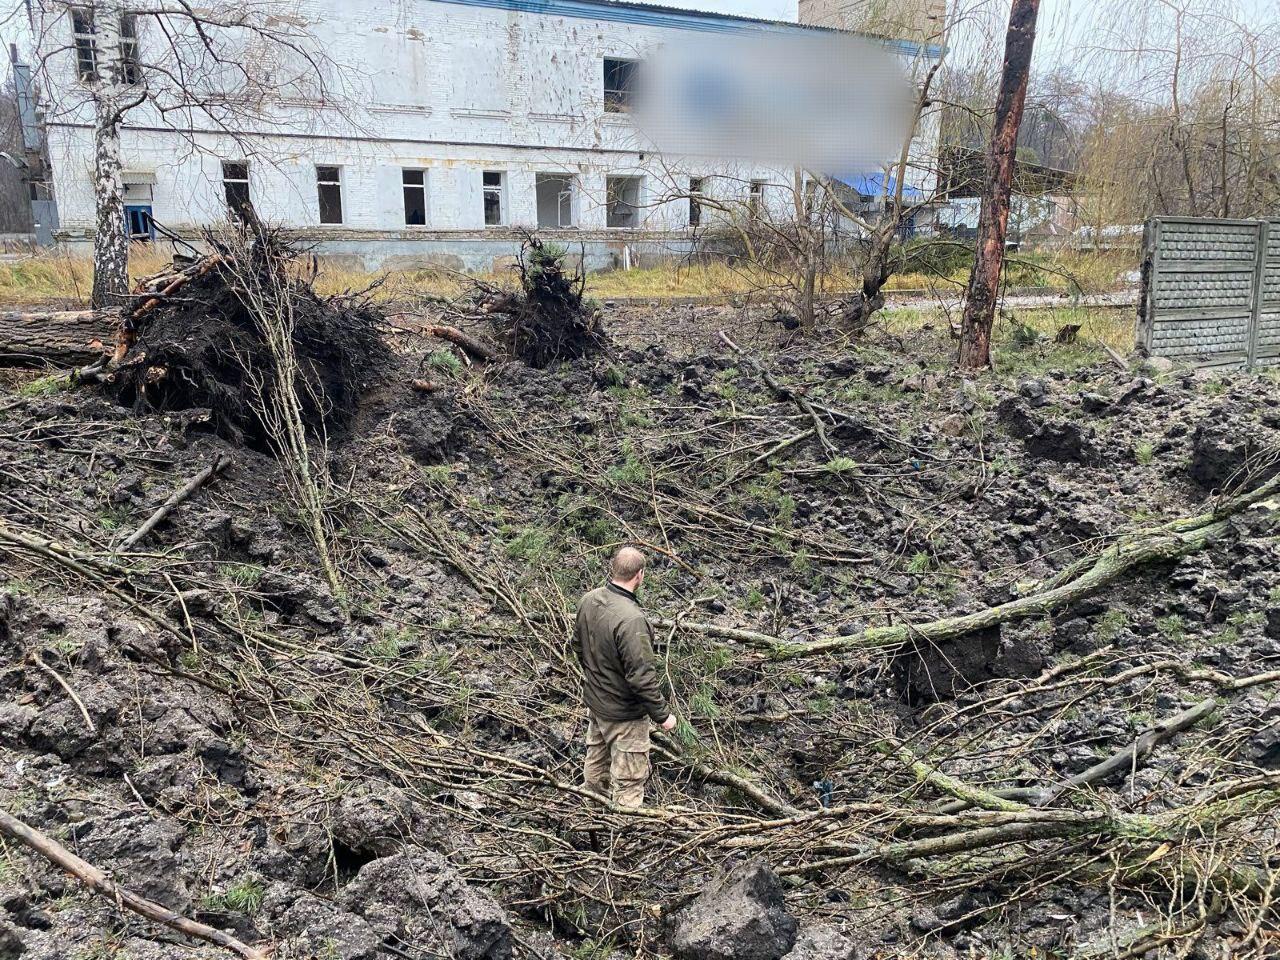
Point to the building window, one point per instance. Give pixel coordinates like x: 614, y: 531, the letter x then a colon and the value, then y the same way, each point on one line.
x: 755, y: 197
x: 695, y: 200
x: 555, y: 200
x: 130, y: 69
x: 619, y: 84
x: 415, y: 197
x: 84, y: 31
x: 329, y: 188
x: 235, y: 183
x: 494, y: 182
x: 623, y: 201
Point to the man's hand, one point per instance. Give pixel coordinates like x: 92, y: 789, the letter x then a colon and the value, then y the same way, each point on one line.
x: 670, y: 722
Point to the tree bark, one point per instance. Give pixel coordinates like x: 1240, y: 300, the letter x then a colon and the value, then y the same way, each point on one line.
x: 61, y: 338
x: 993, y: 221
x: 110, y: 241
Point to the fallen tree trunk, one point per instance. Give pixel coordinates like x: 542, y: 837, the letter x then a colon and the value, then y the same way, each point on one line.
x: 1081, y: 579
x: 62, y: 338
x: 98, y: 882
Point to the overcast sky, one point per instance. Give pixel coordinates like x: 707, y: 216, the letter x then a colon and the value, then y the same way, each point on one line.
x: 1063, y: 23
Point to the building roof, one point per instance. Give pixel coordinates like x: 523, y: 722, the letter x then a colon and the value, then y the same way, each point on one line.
x: 680, y: 18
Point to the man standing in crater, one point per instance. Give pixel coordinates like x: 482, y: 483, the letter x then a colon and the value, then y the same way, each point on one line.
x: 620, y: 683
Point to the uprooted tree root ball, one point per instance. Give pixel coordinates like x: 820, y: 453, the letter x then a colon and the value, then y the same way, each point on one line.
x: 547, y: 320
x: 201, y: 339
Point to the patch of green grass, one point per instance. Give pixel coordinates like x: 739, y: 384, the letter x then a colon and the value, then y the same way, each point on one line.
x: 245, y: 574
x: 391, y: 642
x: 1171, y: 628
x: 920, y: 562
x: 1247, y: 618
x: 839, y: 465
x: 44, y: 386
x: 1110, y: 624
x: 444, y: 361
x: 801, y: 563
x: 530, y: 544
x: 754, y: 600
x: 113, y: 516
x: 1145, y: 452
x: 631, y: 472
x: 244, y: 896
x: 440, y: 474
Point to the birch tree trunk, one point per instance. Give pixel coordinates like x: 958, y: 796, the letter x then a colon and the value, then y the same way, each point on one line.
x: 993, y: 221
x: 110, y: 241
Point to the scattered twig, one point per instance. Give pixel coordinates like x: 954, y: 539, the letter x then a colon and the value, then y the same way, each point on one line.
x: 179, y: 496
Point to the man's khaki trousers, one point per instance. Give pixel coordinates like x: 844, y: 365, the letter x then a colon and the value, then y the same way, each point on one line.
x: 618, y: 759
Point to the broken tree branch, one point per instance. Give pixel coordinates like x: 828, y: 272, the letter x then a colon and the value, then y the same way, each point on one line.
x: 1162, y: 544
x: 99, y: 883
x: 1129, y: 757
x: 179, y: 496
x: 785, y: 393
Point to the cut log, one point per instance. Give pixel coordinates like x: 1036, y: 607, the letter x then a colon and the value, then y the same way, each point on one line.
x: 63, y: 338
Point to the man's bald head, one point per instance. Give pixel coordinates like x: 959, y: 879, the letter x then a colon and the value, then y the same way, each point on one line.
x: 626, y: 567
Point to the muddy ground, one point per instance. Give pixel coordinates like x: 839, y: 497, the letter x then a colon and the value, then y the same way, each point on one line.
x: 393, y: 772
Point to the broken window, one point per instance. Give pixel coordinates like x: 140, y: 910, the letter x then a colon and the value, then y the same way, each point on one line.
x: 130, y: 70
x: 235, y: 183
x: 555, y: 200
x: 619, y: 84
x: 329, y: 188
x: 84, y: 31
x: 695, y: 203
x: 623, y: 201
x: 494, y: 181
x: 415, y: 197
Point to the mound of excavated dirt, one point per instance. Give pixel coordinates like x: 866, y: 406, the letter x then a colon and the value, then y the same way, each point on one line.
x: 208, y: 342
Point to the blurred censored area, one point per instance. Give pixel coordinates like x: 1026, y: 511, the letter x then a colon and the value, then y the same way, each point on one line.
x: 826, y: 102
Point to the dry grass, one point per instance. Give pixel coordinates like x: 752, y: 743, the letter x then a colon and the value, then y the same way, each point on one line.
x: 65, y: 279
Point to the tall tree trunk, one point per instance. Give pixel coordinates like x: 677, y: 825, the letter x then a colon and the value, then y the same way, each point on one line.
x: 993, y: 221
x: 110, y: 241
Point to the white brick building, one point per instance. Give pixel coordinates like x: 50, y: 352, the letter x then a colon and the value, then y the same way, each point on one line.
x: 463, y: 121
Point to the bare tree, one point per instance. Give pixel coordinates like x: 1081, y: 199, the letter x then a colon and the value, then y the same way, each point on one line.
x: 172, y: 65
x: 993, y: 222
x: 1185, y: 109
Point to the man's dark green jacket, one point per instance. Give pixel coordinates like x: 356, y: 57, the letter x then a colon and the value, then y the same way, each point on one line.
x: 615, y: 645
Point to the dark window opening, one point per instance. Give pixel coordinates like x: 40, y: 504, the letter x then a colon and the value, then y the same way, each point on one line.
x: 620, y: 84
x: 84, y: 32
x: 493, y: 200
x: 415, y: 198
x: 623, y: 201
x: 137, y: 219
x: 130, y: 70
x: 554, y: 194
x: 329, y: 188
x: 235, y: 183
x: 695, y: 203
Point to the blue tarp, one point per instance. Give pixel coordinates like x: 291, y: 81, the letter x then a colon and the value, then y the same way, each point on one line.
x: 873, y: 185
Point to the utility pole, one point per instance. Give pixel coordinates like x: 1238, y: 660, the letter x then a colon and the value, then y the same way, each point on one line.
x: 993, y: 221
